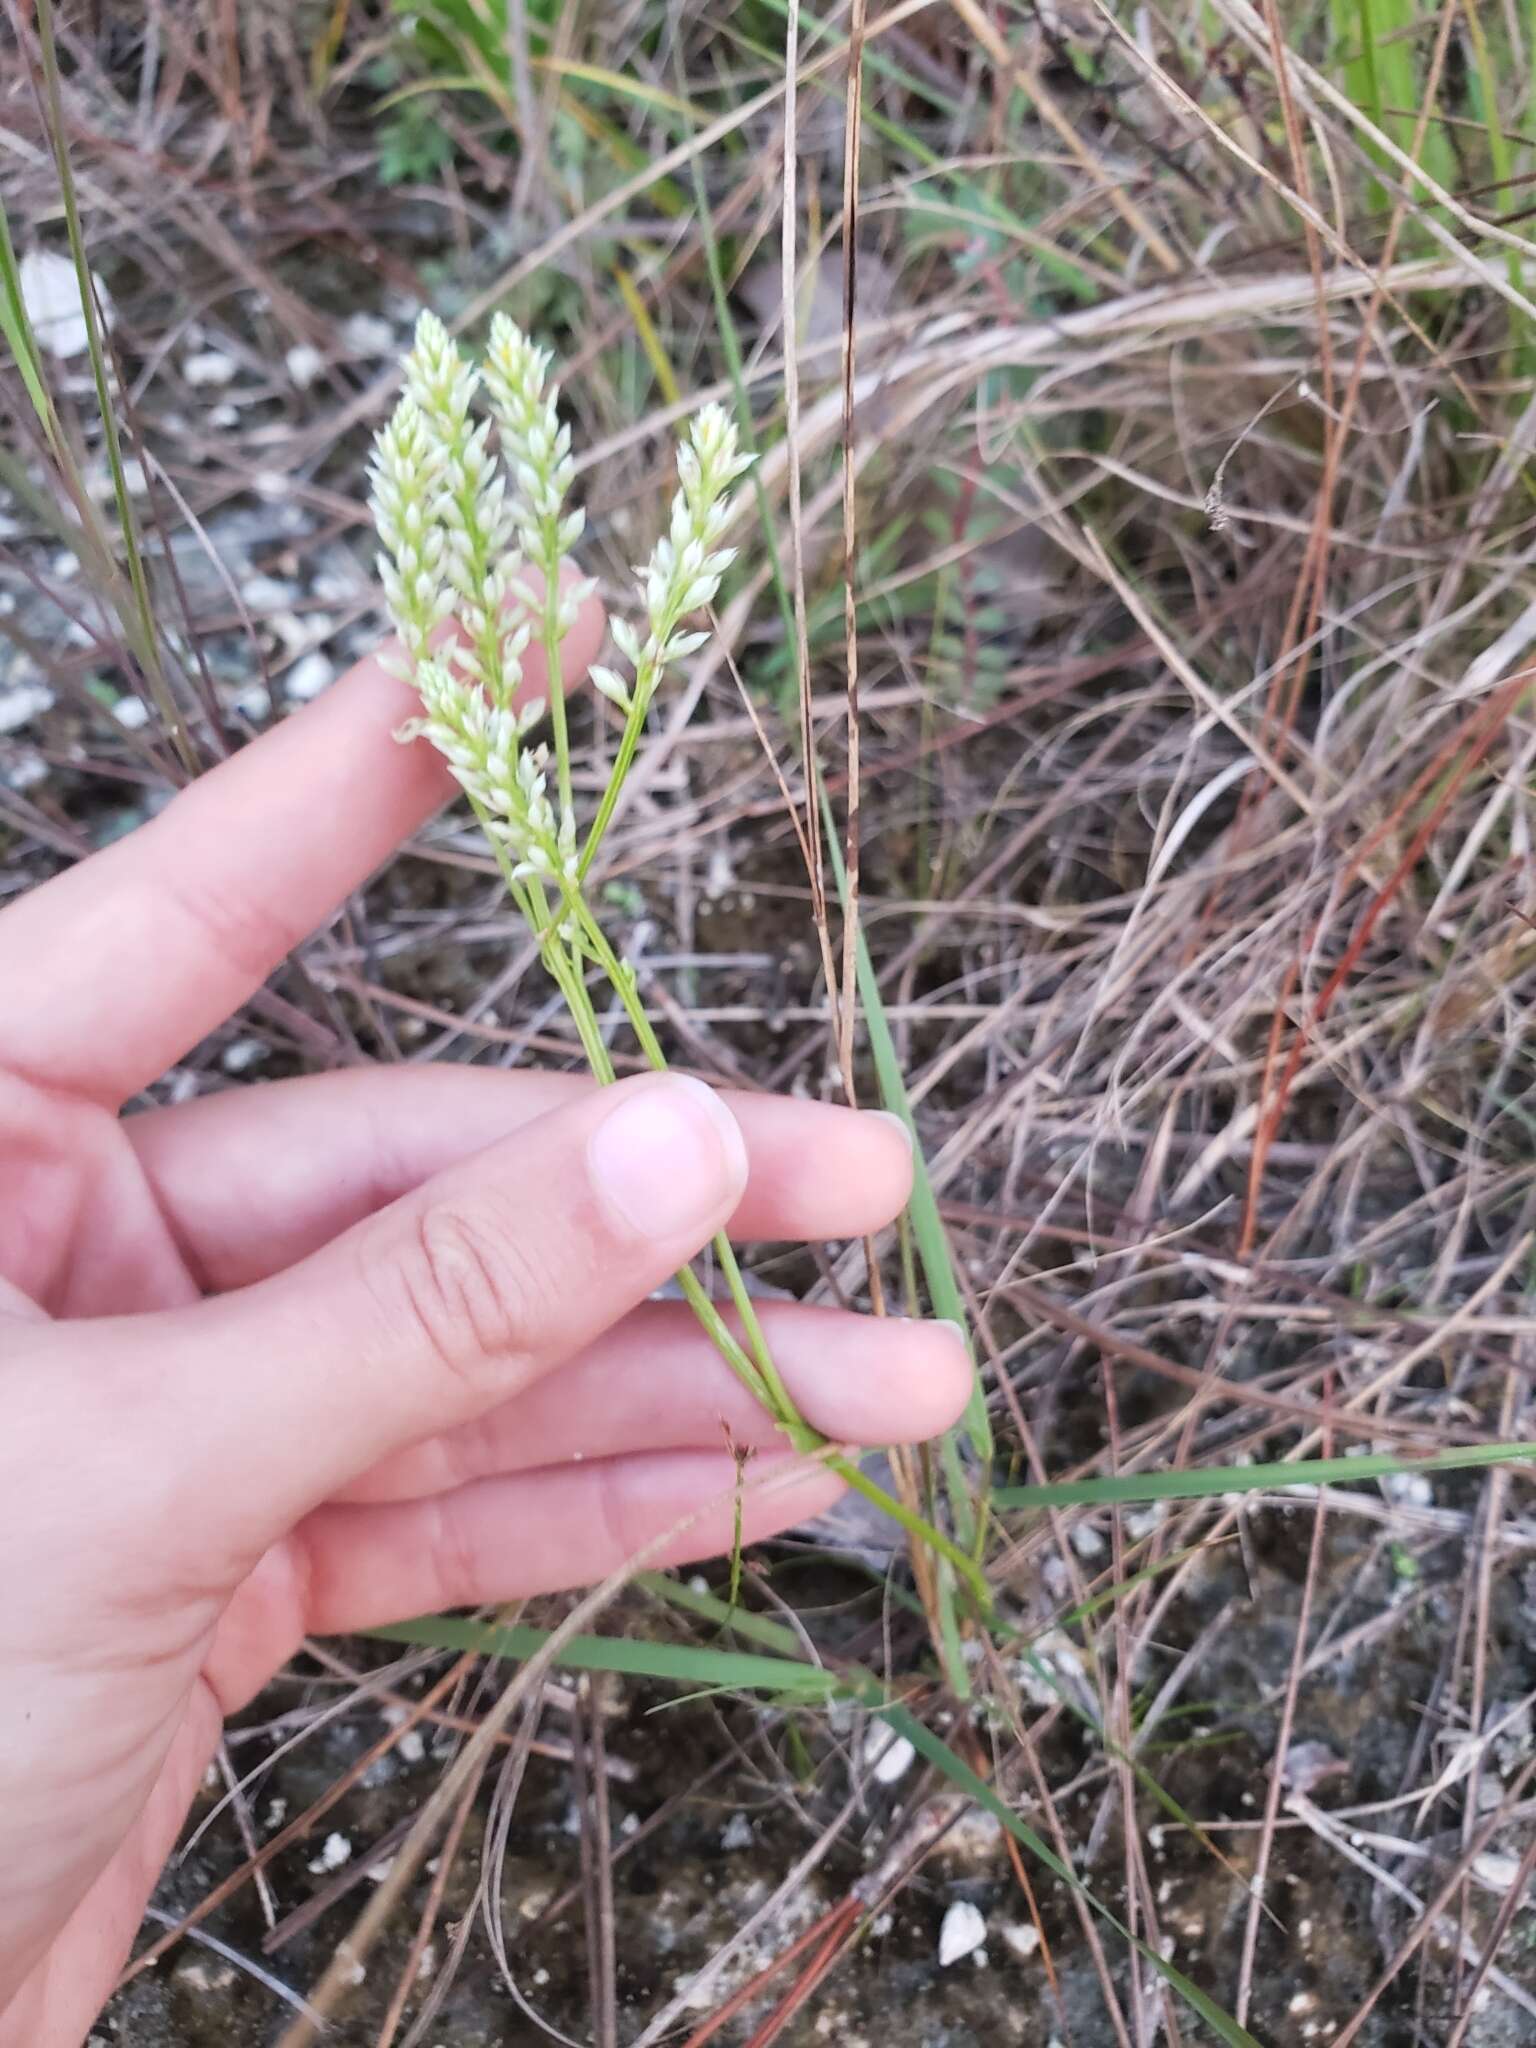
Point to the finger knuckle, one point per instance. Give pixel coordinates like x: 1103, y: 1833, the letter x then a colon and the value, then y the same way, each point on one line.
x: 621, y: 1535
x: 452, y: 1555
x: 471, y: 1293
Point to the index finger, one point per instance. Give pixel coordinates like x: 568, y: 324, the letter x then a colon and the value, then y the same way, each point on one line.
x: 113, y: 970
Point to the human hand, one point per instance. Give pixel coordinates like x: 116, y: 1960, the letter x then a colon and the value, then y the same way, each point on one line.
x: 303, y: 1358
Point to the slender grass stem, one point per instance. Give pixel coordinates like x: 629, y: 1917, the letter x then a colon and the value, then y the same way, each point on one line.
x: 629, y: 740
x: 438, y: 502
x: 757, y: 1372
x: 145, y: 638
x: 622, y: 980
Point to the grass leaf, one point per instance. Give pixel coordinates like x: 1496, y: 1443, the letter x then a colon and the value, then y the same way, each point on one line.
x: 1134, y: 1487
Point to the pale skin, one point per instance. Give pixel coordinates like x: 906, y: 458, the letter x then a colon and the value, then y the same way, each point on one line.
x: 302, y: 1358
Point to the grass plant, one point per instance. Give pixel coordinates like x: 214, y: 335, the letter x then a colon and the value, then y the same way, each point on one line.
x: 447, y: 512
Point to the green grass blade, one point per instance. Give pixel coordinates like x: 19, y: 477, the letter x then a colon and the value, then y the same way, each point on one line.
x: 773, y: 1635
x: 1485, y: 93
x: 631, y: 1657
x: 85, y: 535
x: 16, y: 326
x: 145, y: 640
x: 931, y: 1239
x: 1217, y: 1479
x: 1378, y: 39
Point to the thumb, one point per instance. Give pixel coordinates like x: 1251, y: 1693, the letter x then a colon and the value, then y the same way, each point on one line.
x: 265, y: 1401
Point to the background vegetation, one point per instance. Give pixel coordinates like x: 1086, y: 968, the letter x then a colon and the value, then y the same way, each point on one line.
x: 1183, y: 382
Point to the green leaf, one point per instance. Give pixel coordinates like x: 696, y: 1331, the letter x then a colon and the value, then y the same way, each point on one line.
x: 1216, y: 1479
x: 17, y: 329
x: 633, y: 1657
x: 931, y: 1237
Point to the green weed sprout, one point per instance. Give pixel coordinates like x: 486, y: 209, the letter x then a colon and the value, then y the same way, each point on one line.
x: 459, y: 524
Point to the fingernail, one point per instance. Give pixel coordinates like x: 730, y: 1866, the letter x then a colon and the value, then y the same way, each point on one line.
x: 889, y: 1116
x: 668, y: 1159
x: 962, y: 1337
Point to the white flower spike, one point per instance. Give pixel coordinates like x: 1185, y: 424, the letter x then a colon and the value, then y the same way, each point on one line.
x: 448, y: 520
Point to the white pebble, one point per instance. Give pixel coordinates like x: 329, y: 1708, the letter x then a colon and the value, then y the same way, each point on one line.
x: 244, y: 1054
x: 310, y: 674
x: 267, y: 593
x: 1407, y: 1489
x: 332, y: 586
x: 1022, y: 1938
x: 365, y: 334
x: 963, y: 1932
x: 1140, y: 1522
x: 303, y: 365
x: 737, y: 1833
x: 102, y: 486
x: 50, y: 292
x: 337, y: 1851
x: 210, y: 367
x: 889, y: 1757
x: 1496, y: 1871
x: 411, y: 1747
x: 297, y: 633
x: 19, y: 706
x: 253, y: 702
x: 131, y: 713
x: 25, y: 770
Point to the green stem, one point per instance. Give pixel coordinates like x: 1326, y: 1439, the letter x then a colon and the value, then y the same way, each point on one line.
x: 759, y: 1374
x: 623, y: 982
x: 914, y: 1525
x: 629, y: 739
